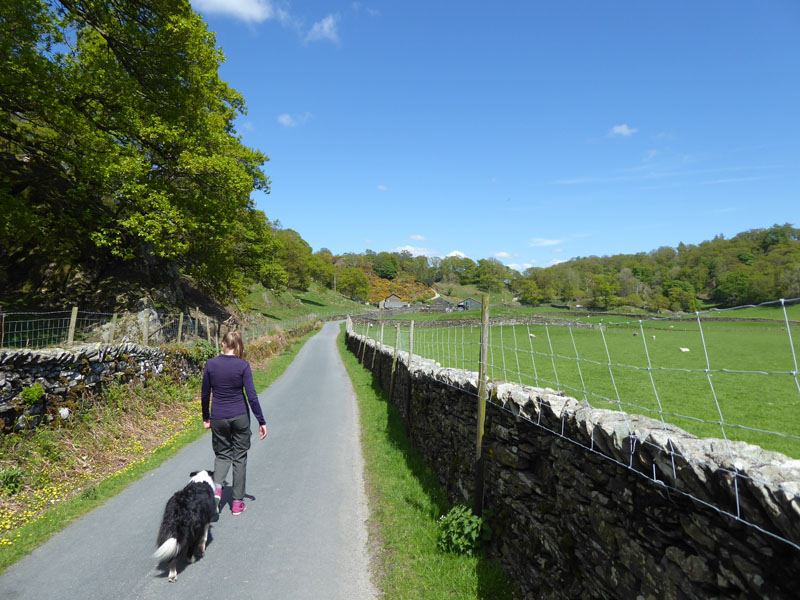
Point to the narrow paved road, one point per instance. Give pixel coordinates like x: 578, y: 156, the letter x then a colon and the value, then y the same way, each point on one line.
x: 303, y: 535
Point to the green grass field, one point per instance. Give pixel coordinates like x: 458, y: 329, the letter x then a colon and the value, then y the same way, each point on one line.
x: 292, y: 304
x: 758, y: 399
x: 456, y: 293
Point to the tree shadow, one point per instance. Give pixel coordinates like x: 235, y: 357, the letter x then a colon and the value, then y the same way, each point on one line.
x: 312, y: 302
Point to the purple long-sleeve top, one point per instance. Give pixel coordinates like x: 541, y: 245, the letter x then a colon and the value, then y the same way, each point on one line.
x: 228, y: 378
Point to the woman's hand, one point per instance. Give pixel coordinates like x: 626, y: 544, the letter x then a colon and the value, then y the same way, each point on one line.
x: 207, y: 424
x: 262, y: 431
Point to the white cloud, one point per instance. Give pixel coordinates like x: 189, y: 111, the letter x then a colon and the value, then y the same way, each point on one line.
x: 540, y: 242
x: 382, y: 188
x: 288, y: 120
x: 556, y: 261
x: 458, y: 254
x: 324, y: 30
x: 502, y: 255
x: 415, y: 251
x: 372, y: 12
x: 249, y: 11
x: 521, y: 267
x: 623, y: 130
x: 418, y: 238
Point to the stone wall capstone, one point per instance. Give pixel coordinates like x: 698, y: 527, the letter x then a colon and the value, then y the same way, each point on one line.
x: 590, y: 503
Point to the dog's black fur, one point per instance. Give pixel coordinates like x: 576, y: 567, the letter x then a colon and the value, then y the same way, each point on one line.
x: 186, y: 520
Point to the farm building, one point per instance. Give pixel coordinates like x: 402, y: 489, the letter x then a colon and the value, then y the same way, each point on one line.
x: 442, y: 305
x: 469, y: 304
x: 393, y: 301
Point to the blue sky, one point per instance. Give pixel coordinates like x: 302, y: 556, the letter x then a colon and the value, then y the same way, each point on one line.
x: 532, y: 132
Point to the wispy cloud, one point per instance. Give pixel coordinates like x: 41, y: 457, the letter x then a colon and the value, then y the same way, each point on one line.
x: 382, y: 188
x: 622, y: 130
x: 418, y: 238
x: 731, y: 180
x: 249, y: 11
x: 650, y: 172
x: 542, y: 242
x: 326, y: 29
x: 372, y: 12
x: 457, y: 253
x: 288, y: 120
x: 521, y: 267
x: 556, y: 261
x: 417, y: 251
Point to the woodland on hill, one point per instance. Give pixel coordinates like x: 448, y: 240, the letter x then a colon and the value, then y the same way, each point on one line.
x: 754, y: 266
x: 123, y: 176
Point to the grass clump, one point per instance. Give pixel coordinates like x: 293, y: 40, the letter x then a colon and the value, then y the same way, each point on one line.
x: 406, y: 504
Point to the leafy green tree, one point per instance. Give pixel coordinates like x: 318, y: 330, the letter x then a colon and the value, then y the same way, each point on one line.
x: 734, y: 288
x: 528, y: 292
x: 603, y: 292
x: 321, y: 267
x: 118, y: 141
x: 295, y: 257
x: 386, y: 265
x: 354, y: 283
x: 490, y: 275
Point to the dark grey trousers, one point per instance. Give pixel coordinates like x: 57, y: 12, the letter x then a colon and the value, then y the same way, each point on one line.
x: 230, y: 439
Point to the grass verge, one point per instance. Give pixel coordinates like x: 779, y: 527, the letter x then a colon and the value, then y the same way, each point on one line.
x: 406, y: 503
x: 65, y: 472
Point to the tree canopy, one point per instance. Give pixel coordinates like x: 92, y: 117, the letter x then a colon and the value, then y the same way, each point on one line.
x: 118, y: 145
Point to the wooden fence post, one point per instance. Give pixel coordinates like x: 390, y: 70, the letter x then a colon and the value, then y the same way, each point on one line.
x: 113, y: 329
x: 180, y: 327
x: 73, y: 319
x: 364, y: 344
x: 380, y: 345
x: 216, y: 334
x: 482, y: 396
x: 3, y: 329
x: 146, y: 332
x: 208, y: 330
x: 408, y: 368
x: 394, y: 360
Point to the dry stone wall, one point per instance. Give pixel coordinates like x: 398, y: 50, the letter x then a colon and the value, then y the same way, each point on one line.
x: 589, y: 503
x: 67, y: 375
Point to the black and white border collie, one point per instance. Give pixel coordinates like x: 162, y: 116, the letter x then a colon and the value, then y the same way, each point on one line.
x: 187, y: 517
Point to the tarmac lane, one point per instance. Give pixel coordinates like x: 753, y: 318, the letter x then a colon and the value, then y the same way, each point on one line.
x: 303, y: 535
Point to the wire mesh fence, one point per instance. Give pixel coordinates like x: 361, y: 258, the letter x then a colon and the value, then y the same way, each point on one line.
x: 711, y: 377
x: 36, y: 330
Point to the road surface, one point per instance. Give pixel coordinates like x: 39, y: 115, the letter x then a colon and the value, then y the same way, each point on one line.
x: 303, y: 535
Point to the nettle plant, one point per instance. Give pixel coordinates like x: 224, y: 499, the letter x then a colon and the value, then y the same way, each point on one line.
x: 462, y: 532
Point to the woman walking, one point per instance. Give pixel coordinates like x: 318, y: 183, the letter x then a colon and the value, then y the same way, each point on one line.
x: 226, y: 378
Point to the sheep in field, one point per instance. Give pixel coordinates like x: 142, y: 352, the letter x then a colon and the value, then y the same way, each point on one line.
x: 684, y: 349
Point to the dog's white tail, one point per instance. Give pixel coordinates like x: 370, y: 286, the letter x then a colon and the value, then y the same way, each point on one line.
x: 168, y: 550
